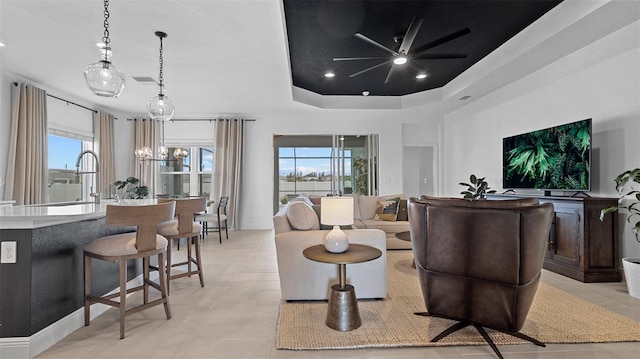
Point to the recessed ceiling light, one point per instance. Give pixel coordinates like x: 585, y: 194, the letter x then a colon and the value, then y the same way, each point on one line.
x: 400, y: 60
x: 1, y: 44
x: 421, y: 76
x: 329, y: 74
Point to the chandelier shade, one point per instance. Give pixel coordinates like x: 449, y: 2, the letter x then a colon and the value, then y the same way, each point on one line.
x: 102, y: 77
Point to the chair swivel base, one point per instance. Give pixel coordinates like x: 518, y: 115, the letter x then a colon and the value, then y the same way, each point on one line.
x: 463, y: 324
x: 343, y: 313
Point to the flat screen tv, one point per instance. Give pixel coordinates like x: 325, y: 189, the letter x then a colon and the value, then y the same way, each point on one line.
x: 555, y: 158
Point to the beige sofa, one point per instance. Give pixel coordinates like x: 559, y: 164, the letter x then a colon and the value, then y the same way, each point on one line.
x: 304, y: 279
x: 364, y: 216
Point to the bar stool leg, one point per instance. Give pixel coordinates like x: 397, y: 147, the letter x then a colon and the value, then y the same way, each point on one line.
x: 145, y: 279
x: 123, y: 294
x: 164, y: 282
x: 168, y: 266
x: 199, y: 263
x: 189, y: 240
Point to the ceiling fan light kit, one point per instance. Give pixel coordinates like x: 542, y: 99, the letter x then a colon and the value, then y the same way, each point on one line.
x: 102, y: 77
x: 400, y: 60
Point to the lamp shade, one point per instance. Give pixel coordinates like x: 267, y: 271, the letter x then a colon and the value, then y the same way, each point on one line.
x: 336, y: 211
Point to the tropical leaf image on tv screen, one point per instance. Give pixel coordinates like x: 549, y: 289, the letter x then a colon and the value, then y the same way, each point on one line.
x: 552, y: 158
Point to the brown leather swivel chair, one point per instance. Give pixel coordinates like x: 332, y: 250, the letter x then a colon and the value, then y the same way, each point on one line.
x: 479, y: 262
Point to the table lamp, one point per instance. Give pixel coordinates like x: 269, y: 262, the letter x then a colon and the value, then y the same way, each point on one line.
x: 336, y: 212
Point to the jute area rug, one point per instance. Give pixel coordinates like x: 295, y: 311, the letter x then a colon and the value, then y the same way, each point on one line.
x: 555, y: 317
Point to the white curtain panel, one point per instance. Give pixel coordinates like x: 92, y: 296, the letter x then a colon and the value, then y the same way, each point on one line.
x: 146, y: 135
x: 103, y: 122
x: 27, y: 161
x: 227, y: 165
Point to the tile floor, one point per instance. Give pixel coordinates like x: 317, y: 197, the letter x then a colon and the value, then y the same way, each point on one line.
x: 235, y: 315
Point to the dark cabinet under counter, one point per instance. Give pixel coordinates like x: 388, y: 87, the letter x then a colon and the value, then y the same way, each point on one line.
x: 47, y: 281
x: 580, y: 245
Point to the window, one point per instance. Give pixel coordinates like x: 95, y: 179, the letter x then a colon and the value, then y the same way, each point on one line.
x: 324, y: 164
x: 190, y: 176
x: 63, y: 184
x: 308, y: 170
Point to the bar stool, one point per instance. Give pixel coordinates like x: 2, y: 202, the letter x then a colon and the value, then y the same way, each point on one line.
x: 184, y: 227
x: 143, y: 243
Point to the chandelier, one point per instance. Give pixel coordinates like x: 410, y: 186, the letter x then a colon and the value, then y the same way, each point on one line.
x: 146, y: 153
x: 102, y: 77
x: 160, y: 107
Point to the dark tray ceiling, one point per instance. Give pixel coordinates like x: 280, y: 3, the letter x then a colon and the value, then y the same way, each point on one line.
x: 318, y: 31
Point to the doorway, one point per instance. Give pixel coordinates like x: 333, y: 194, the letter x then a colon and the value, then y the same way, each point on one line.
x: 419, y: 171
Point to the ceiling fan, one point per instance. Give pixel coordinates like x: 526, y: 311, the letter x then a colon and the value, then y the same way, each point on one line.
x: 406, y: 55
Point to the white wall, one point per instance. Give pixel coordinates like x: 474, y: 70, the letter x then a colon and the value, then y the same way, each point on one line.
x: 601, y: 81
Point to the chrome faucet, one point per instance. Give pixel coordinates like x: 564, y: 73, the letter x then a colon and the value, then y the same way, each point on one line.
x: 96, y: 194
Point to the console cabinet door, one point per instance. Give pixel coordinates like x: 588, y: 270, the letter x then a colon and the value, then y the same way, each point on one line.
x: 565, y: 238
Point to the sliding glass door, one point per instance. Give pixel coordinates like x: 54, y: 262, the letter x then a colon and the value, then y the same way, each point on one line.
x: 321, y: 165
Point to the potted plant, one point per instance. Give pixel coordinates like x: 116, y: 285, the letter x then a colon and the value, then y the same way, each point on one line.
x: 628, y: 186
x: 477, y: 188
x: 130, y: 189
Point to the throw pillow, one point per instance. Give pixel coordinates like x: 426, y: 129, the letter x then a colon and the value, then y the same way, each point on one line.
x: 387, y: 210
x: 303, y: 198
x: 302, y: 217
x: 403, y: 213
x: 367, y: 206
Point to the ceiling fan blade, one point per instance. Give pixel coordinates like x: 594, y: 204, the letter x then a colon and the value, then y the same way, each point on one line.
x: 392, y: 70
x: 441, y: 40
x: 369, y: 69
x: 358, y: 58
x: 412, y: 31
x: 416, y: 66
x: 374, y: 43
x: 439, y: 56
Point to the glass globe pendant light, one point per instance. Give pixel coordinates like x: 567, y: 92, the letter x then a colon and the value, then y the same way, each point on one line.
x: 160, y: 107
x: 102, y: 77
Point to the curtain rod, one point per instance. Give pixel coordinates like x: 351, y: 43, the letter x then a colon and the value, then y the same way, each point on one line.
x: 199, y: 119
x: 67, y: 101
x: 73, y: 103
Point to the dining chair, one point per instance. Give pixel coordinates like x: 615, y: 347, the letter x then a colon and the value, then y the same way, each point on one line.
x: 184, y: 227
x: 143, y: 243
x: 219, y: 217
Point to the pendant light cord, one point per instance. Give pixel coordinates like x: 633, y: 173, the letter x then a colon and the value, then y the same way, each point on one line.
x: 161, y: 75
x: 105, y: 36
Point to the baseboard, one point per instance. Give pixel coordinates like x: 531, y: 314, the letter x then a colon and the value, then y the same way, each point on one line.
x: 29, y: 347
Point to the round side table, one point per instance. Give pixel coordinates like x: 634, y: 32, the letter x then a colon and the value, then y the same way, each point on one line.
x: 342, y: 313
